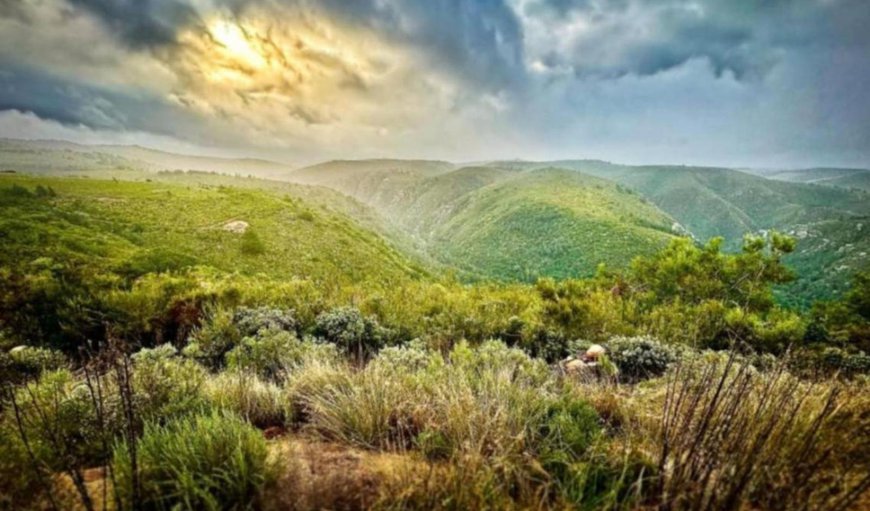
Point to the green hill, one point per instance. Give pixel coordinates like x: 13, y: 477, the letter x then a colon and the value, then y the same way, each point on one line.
x: 549, y: 222
x: 504, y: 222
x: 708, y: 202
x: 131, y: 228
x: 384, y: 184
x: 856, y: 179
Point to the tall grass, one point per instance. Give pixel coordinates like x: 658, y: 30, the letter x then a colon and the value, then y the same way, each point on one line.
x: 260, y: 402
x: 208, y: 462
x: 733, y: 437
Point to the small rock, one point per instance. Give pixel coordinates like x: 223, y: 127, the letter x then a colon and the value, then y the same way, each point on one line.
x: 236, y: 226
x: 595, y: 351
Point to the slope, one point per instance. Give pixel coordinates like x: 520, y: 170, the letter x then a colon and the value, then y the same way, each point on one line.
x: 858, y: 179
x: 386, y: 185
x: 548, y: 222
x: 52, y: 156
x: 708, y: 202
x: 131, y: 228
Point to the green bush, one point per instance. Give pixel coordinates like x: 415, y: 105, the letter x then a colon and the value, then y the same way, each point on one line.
x: 214, y: 338
x: 271, y: 353
x: 166, y: 385
x: 640, y: 357
x: 357, y: 335
x: 212, y: 462
x: 251, y: 320
x: 60, y: 423
x: 32, y: 360
x: 252, y: 244
x: 570, y: 428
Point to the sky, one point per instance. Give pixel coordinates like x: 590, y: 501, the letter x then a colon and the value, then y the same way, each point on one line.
x: 741, y: 83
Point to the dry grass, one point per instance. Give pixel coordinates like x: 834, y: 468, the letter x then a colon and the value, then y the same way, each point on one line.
x: 735, y: 438
x: 326, y: 475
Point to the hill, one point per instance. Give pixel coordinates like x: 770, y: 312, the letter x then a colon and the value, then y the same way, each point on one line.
x: 856, y: 179
x: 708, y: 202
x: 504, y: 221
x: 383, y: 184
x: 48, y: 156
x: 546, y: 222
x: 131, y: 228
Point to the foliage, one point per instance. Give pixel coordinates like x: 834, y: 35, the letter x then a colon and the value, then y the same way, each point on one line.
x: 251, y: 320
x: 31, y: 361
x: 215, y: 338
x: 351, y: 331
x: 251, y: 244
x: 640, y: 357
x: 166, y: 385
x: 215, y: 461
x: 259, y: 402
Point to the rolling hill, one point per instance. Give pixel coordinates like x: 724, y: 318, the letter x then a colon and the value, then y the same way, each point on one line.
x: 135, y: 227
x: 829, y: 222
x: 856, y: 179
x: 47, y: 156
x: 548, y: 222
x: 504, y: 222
x: 517, y: 220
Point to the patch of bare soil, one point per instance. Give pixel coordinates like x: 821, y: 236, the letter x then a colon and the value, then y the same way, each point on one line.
x: 322, y: 475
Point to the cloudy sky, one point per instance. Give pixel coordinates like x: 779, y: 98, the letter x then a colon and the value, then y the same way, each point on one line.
x: 767, y: 83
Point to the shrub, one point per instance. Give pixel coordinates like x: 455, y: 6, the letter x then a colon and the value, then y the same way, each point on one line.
x: 548, y: 344
x: 357, y: 335
x: 32, y: 360
x: 59, y: 422
x: 252, y: 244
x: 271, y: 353
x: 260, y: 402
x: 640, y: 357
x: 406, y: 359
x: 214, y: 338
x: 165, y: 385
x: 569, y: 429
x: 250, y: 321
x: 215, y: 461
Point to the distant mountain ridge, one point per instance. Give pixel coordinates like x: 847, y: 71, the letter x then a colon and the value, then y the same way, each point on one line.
x: 35, y: 155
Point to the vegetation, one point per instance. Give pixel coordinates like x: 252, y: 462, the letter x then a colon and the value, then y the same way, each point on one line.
x: 150, y: 361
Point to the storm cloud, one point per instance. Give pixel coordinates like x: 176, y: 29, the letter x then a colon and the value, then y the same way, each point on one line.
x: 742, y: 82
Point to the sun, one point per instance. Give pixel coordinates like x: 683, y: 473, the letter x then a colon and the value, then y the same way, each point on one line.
x: 234, y: 43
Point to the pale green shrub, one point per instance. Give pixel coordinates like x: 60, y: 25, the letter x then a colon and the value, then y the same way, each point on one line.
x: 33, y: 360
x: 260, y: 402
x: 166, y: 385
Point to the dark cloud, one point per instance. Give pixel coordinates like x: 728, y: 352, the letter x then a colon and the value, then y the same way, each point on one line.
x: 78, y: 104
x: 704, y: 81
x: 142, y: 23
x: 481, y: 40
x: 644, y: 37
